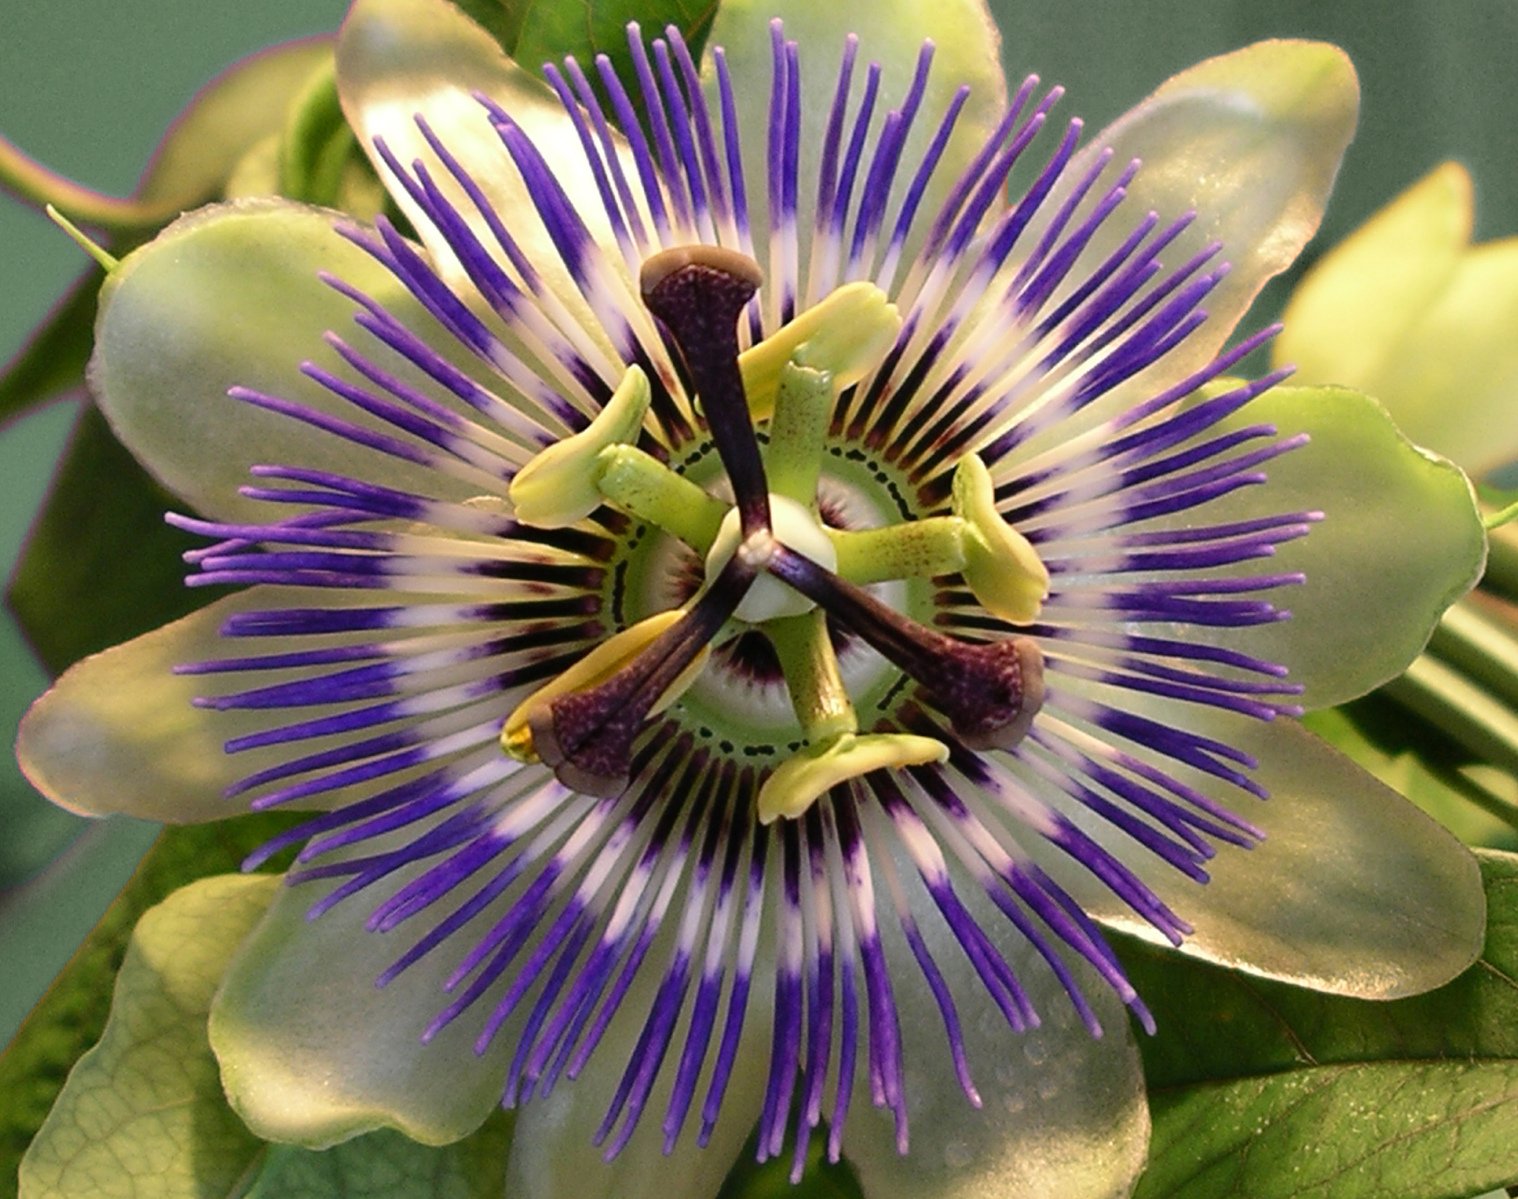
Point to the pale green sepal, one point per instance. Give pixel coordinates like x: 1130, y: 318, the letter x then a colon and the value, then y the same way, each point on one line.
x: 313, y: 1053
x: 142, y: 1113
x: 805, y: 777
x: 256, y: 173
x: 227, y: 118
x: 1062, y: 1113
x: 1400, y: 540
x: 891, y: 32
x: 232, y: 296
x: 117, y: 733
x: 1354, y: 891
x: 558, y: 487
x: 1249, y: 141
x: 386, y: 1165
x: 1363, y: 296
x: 398, y: 60
x: 315, y: 140
x: 320, y: 160
x: 1001, y: 565
x: 1409, y: 311
x: 640, y: 484
x: 846, y: 334
x: 1449, y: 384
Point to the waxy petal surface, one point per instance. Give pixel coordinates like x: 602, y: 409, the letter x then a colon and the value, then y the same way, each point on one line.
x: 400, y: 60
x: 1251, y: 143
x: 312, y: 1052
x: 1062, y: 1113
x: 967, y: 49
x: 231, y: 296
x: 1400, y: 540
x: 553, y: 1154
x: 1353, y: 891
x: 118, y: 732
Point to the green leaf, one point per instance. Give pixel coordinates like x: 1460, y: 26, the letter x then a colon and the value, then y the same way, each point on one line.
x: 538, y: 31
x: 71, y: 1015
x: 385, y: 1165
x: 772, y: 1179
x: 1264, y: 1090
x: 145, y: 1109
x: 51, y: 363
x: 547, y: 30
x: 145, y: 1103
x: 232, y: 296
x: 319, y: 160
x: 502, y: 19
x: 101, y: 566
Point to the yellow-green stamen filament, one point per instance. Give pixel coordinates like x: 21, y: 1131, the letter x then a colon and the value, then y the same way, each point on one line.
x: 793, y: 458
x: 639, y: 484
x: 811, y: 673
x: 918, y: 549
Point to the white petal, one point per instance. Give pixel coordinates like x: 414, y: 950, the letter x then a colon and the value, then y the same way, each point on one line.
x: 891, y: 32
x: 1379, y: 571
x: 1249, y: 141
x: 398, y: 60
x: 552, y: 1153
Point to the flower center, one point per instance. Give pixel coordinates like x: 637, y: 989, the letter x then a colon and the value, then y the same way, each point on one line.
x: 792, y: 524
x: 771, y: 564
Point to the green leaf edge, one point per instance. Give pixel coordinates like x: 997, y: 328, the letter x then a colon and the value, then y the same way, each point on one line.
x: 70, y: 1017
x: 1144, y: 962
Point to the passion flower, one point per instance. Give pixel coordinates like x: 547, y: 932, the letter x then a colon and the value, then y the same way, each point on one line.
x: 748, y: 601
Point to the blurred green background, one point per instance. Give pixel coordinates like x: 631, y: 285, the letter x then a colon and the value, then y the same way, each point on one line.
x: 89, y: 85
